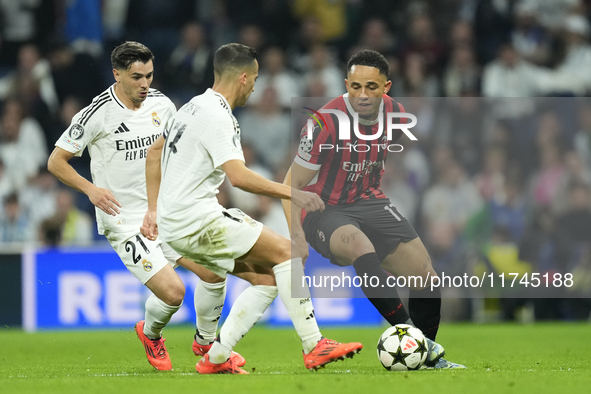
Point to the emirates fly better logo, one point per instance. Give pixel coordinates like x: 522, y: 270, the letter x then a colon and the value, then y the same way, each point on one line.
x: 344, y: 130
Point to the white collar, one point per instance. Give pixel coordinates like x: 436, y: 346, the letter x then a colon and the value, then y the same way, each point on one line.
x: 221, y: 96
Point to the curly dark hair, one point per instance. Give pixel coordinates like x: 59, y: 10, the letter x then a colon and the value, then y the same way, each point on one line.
x: 369, y: 58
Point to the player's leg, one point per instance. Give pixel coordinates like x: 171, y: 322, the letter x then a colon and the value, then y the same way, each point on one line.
x: 247, y: 310
x: 167, y: 296
x: 245, y: 237
x: 145, y: 260
x: 412, y: 259
x: 350, y: 246
x: 273, y: 250
x: 209, y: 299
x: 256, y: 275
x: 401, y: 253
x: 210, y: 294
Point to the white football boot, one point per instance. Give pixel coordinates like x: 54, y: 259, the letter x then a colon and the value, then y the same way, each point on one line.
x: 435, y: 360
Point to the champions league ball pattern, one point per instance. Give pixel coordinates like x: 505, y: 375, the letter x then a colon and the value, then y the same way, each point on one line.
x: 402, y: 348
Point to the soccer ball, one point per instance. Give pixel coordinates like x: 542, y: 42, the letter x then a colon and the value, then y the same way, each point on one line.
x: 402, y: 348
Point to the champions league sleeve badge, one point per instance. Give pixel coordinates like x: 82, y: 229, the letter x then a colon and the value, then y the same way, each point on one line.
x: 155, y: 119
x: 306, y: 146
x: 76, y: 131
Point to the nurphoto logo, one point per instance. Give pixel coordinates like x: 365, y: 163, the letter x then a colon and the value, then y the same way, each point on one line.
x: 344, y: 129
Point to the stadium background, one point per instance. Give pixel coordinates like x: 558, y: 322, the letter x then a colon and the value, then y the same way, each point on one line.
x: 473, y: 194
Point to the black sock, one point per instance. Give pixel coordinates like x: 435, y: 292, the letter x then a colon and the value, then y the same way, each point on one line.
x: 424, y: 307
x: 384, y: 299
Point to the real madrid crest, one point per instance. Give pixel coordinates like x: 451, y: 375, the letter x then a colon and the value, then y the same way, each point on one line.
x: 155, y: 119
x: 147, y: 265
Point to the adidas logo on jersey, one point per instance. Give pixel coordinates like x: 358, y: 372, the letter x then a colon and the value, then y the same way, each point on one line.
x: 121, y: 129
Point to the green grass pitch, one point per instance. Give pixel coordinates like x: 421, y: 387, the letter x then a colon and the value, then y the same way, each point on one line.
x: 539, y: 358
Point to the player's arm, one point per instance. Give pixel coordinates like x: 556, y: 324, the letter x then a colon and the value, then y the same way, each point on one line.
x: 243, y: 178
x: 153, y: 174
x: 101, y: 198
x: 297, y: 177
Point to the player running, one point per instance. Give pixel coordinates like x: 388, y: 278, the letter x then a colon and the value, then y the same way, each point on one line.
x: 117, y: 128
x: 360, y: 226
x: 203, y: 147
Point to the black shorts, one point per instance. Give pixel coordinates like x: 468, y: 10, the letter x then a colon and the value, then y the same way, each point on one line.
x: 378, y: 219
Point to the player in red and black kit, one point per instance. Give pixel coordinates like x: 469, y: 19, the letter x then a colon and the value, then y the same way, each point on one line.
x: 360, y: 226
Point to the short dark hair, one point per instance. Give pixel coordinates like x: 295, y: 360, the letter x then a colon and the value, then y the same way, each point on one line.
x: 369, y: 58
x: 233, y: 57
x: 128, y: 53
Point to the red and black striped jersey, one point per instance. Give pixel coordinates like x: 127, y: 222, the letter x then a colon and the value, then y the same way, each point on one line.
x: 348, y: 170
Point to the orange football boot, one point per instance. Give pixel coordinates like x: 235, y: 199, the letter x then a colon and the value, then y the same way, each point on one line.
x: 201, y: 350
x: 327, y: 351
x: 155, y: 349
x: 204, y: 366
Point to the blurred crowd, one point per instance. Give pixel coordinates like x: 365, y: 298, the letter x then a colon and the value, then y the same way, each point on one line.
x: 500, y: 178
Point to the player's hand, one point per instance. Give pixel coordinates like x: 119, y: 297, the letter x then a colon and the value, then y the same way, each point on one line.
x: 301, y: 246
x: 309, y: 201
x: 149, y: 227
x: 104, y: 200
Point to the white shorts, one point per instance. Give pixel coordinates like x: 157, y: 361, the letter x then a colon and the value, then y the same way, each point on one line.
x: 142, y: 257
x: 224, y: 237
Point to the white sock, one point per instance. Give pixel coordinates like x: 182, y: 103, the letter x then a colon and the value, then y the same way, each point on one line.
x: 209, y: 302
x: 245, y: 313
x: 301, y: 310
x: 219, y: 354
x: 158, y: 314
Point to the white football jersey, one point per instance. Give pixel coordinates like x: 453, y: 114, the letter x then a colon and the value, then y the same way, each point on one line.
x: 118, y: 139
x: 202, y: 136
